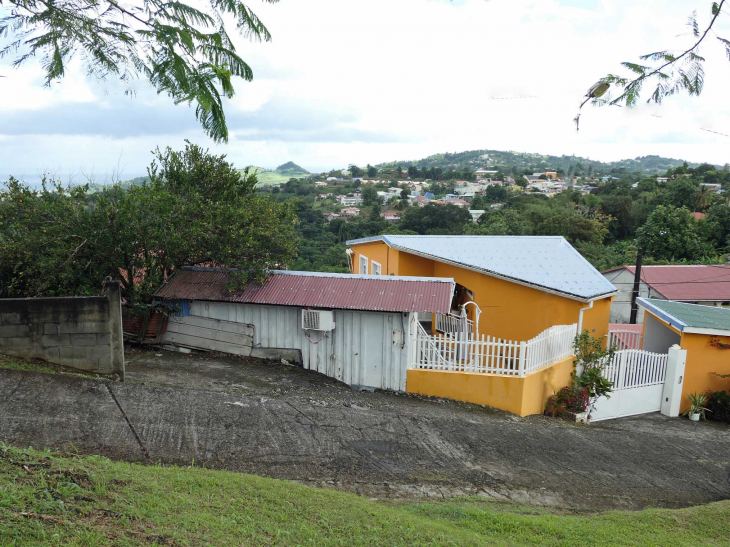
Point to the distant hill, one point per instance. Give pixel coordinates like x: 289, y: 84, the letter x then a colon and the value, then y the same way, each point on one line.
x: 279, y: 175
x: 495, y: 158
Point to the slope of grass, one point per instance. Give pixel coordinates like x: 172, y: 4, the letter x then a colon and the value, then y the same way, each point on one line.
x: 50, y: 499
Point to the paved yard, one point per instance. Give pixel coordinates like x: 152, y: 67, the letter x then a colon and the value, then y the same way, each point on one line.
x: 285, y: 422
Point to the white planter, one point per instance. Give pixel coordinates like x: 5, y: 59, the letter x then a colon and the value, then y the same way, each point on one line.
x: 581, y: 417
x: 695, y: 417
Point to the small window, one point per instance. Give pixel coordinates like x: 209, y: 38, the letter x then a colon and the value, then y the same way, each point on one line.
x: 375, y: 268
x: 363, y: 265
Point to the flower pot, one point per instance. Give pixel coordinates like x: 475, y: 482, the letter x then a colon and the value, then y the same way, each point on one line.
x: 695, y: 417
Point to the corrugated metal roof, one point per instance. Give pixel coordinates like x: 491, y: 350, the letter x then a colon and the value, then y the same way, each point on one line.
x: 689, y: 317
x: 681, y: 282
x: 544, y: 262
x: 317, y: 290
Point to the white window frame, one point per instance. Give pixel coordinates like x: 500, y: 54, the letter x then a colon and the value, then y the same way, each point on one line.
x: 373, y: 264
x: 359, y: 265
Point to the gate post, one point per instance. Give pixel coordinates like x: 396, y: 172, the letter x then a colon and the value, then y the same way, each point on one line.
x: 672, y: 392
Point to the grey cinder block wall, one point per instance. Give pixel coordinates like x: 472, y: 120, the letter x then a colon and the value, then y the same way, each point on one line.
x: 79, y: 332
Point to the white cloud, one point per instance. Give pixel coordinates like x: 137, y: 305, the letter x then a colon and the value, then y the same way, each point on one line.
x: 382, y: 80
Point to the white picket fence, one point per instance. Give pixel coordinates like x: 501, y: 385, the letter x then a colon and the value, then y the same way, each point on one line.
x: 491, y: 355
x: 451, y: 323
x: 624, y: 339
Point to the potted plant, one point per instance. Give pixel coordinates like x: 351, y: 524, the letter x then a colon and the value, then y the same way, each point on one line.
x: 697, y: 406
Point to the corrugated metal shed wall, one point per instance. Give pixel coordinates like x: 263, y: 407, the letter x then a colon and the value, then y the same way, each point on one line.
x: 365, y: 348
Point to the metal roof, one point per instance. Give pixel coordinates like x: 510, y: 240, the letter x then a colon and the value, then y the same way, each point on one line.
x: 317, y: 290
x: 691, y: 318
x: 680, y: 282
x: 544, y: 262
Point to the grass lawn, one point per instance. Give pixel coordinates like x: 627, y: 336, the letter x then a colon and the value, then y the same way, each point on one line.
x: 51, y: 499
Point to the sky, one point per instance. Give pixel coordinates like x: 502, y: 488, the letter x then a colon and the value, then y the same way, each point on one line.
x: 370, y: 81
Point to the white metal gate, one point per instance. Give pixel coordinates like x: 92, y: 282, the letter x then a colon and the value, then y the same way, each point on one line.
x: 638, y: 381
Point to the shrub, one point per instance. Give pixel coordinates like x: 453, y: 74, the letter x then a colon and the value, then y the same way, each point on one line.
x: 718, y: 404
x: 568, y: 399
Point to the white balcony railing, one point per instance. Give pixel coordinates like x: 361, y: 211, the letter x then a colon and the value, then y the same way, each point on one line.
x: 455, y: 351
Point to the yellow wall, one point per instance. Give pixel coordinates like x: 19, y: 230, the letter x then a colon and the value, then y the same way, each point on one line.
x: 509, y: 310
x: 522, y: 396
x: 702, y: 361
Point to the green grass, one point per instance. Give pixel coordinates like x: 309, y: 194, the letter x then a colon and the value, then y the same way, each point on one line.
x: 36, y: 365
x: 16, y: 363
x: 51, y: 499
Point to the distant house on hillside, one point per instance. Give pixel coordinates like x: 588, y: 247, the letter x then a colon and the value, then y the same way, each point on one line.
x: 461, y: 203
x: 391, y: 216
x: 476, y: 214
x: 484, y: 173
x: 349, y: 212
x: 320, y: 184
x: 707, y: 285
x: 350, y: 200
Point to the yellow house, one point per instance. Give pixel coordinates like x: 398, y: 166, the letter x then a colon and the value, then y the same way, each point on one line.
x: 523, y: 286
x: 703, y: 331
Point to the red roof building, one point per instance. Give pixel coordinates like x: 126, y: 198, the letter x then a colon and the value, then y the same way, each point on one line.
x: 316, y: 290
x: 694, y: 284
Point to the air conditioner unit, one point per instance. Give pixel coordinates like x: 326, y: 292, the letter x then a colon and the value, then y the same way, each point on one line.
x: 318, y: 320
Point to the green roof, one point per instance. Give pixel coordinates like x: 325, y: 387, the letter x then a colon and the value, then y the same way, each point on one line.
x: 689, y: 317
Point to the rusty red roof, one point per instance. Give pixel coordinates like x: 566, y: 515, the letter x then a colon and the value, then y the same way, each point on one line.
x: 685, y: 283
x: 317, y: 290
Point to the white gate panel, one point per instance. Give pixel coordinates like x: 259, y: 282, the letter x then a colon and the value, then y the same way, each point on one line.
x: 638, y: 381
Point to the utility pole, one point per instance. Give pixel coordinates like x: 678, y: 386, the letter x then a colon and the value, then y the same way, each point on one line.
x: 637, y: 285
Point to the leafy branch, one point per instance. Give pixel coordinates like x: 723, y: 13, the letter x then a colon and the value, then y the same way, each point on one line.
x: 675, y: 73
x: 183, y: 51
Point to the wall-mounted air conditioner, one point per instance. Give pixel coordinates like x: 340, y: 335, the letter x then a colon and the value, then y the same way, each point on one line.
x: 318, y: 320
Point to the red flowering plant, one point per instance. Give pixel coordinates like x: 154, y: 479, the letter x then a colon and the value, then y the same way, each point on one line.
x: 568, y: 399
x: 589, y: 384
x: 715, y: 343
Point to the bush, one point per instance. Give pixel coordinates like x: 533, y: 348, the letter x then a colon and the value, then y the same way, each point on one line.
x: 718, y: 404
x: 568, y: 399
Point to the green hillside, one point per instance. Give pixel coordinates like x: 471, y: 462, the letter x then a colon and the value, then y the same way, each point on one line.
x: 539, y: 162
x: 280, y: 175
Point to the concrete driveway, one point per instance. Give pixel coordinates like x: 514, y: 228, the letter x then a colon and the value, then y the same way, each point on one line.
x: 285, y: 422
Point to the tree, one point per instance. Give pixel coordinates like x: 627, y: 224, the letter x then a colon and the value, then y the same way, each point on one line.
x: 671, y: 72
x: 183, y: 50
x: 372, y: 171
x: 435, y: 219
x: 496, y: 193
x: 197, y: 209
x: 573, y: 228
x: 355, y: 171
x: 370, y: 196
x: 670, y: 233
x: 413, y: 171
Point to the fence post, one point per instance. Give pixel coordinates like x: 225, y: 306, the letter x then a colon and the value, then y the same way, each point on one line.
x: 116, y: 338
x: 523, y: 359
x: 673, y: 383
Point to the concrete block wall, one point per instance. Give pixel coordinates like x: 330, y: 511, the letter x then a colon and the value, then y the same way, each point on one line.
x: 78, y: 332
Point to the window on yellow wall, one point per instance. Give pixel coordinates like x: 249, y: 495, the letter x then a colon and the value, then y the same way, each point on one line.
x: 363, y: 268
x: 375, y: 268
